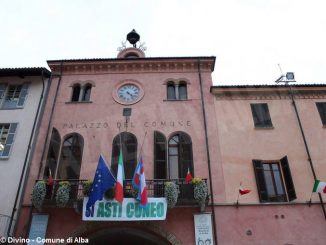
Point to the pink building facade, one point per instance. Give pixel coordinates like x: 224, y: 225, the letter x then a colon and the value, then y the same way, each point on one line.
x: 84, y: 117
x: 261, y: 144
x: 167, y: 111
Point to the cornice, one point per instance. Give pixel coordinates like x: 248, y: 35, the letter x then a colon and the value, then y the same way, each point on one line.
x: 131, y: 66
x: 280, y: 94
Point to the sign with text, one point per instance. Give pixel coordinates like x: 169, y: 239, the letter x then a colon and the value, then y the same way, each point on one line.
x: 38, y: 228
x: 203, y: 229
x: 129, y: 210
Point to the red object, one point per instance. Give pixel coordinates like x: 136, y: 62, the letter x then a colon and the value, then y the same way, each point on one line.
x: 188, y: 177
x: 324, y: 190
x: 243, y: 191
x: 50, y: 180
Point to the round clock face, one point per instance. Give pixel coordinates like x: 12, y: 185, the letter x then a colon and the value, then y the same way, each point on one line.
x: 128, y: 93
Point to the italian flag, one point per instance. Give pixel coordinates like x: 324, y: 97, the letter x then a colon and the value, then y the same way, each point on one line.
x: 120, y: 178
x: 319, y: 187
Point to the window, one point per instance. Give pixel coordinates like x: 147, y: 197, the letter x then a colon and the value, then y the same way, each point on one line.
x: 81, y: 93
x: 75, y: 93
x: 270, y: 178
x: 7, y: 134
x: 183, y: 91
x: 159, y: 156
x: 87, y: 92
x: 71, y: 156
x: 321, y: 106
x: 177, y: 91
x: 13, y: 96
x: 53, y: 154
x: 179, y: 155
x: 129, y: 153
x: 260, y: 114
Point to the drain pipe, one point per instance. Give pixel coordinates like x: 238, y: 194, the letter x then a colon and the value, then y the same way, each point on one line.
x: 50, y: 119
x: 207, y: 151
x: 306, y: 145
x: 46, y: 139
x: 14, y: 209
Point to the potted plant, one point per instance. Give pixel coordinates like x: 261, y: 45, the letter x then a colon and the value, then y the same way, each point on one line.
x: 63, y: 194
x: 171, y: 191
x: 200, y: 190
x: 87, y: 187
x: 38, y: 194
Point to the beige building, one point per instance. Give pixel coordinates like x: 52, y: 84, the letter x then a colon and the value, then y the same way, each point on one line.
x: 21, y: 99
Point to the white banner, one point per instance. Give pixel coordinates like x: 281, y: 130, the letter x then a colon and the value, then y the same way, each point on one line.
x: 129, y: 210
x: 203, y: 229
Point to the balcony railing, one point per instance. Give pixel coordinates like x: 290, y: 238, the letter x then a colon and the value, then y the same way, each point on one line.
x: 155, y: 188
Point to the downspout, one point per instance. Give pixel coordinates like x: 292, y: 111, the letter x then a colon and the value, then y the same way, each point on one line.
x: 207, y: 152
x: 50, y: 119
x: 46, y: 139
x: 306, y: 146
x: 26, y: 164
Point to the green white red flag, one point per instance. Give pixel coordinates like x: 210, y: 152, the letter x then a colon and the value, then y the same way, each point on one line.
x: 120, y: 179
x: 319, y: 187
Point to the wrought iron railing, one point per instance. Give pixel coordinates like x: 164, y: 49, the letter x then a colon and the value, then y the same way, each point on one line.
x: 155, y: 188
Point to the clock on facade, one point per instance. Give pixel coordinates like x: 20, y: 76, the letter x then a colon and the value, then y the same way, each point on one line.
x: 128, y: 92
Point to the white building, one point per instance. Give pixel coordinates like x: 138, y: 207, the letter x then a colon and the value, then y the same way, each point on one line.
x: 21, y: 101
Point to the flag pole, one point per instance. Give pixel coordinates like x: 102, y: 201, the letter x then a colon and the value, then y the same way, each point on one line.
x: 141, y: 147
x: 309, y: 203
x: 238, y: 195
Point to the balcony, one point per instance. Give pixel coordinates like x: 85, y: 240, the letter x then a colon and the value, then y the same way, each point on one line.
x: 155, y: 188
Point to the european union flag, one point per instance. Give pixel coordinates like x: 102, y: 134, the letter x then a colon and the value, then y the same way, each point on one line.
x: 103, y: 180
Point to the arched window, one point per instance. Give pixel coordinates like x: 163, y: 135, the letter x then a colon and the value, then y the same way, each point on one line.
x: 53, y: 154
x: 71, y: 156
x: 171, y: 91
x: 87, y: 92
x: 183, y: 91
x: 159, y: 156
x: 129, y: 152
x: 75, y: 93
x: 180, y: 155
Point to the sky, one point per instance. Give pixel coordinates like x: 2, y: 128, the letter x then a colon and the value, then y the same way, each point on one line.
x: 251, y: 39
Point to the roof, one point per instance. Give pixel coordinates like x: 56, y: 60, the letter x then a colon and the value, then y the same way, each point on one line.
x: 25, y: 71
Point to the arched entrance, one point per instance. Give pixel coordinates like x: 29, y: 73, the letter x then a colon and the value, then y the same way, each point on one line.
x: 124, y: 236
x: 125, y: 233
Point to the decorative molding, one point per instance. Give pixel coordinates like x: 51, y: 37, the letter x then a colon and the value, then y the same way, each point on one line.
x: 271, y: 95
x: 130, y: 66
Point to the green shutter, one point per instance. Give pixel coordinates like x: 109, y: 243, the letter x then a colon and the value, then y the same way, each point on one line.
x: 9, y: 140
x: 260, y: 180
x: 288, y: 179
x: 22, y: 95
x: 2, y: 91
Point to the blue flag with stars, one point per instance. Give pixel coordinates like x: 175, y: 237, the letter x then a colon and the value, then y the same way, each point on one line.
x: 103, y: 180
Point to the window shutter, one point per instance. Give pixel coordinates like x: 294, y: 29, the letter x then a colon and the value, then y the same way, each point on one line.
x: 2, y: 91
x: 288, y: 179
x: 159, y: 156
x: 260, y: 180
x: 10, y: 140
x: 267, y: 117
x: 22, y: 95
x: 321, y: 106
